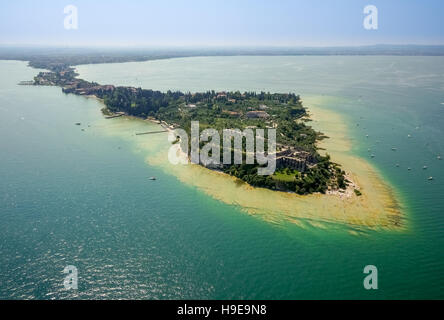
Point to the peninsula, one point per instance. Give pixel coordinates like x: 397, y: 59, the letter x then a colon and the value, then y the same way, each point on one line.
x: 300, y: 167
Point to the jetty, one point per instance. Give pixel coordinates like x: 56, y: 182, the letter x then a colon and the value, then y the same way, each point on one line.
x: 26, y: 83
x: 150, y: 132
x: 115, y: 115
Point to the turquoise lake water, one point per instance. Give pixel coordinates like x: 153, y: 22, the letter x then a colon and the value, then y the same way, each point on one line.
x: 73, y: 197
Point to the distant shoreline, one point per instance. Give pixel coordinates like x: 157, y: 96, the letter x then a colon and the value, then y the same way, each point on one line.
x: 40, y: 57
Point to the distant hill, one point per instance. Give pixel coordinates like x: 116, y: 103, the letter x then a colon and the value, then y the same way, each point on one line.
x: 70, y: 56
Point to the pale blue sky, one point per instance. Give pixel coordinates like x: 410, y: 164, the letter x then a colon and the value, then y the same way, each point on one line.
x: 224, y: 22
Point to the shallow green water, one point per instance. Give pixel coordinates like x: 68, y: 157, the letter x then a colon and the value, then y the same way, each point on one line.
x: 72, y: 197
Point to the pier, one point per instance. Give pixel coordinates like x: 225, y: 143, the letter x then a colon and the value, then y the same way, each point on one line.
x: 150, y: 132
x: 116, y: 115
x: 26, y: 83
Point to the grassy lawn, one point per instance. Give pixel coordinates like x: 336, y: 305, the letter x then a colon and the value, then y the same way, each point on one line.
x: 283, y: 176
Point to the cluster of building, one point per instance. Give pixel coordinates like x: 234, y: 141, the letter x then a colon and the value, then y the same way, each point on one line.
x: 94, y: 90
x: 295, y: 159
x: 257, y: 114
x: 46, y: 79
x: 66, y: 79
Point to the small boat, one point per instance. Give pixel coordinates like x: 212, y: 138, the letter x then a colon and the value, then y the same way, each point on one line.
x: 77, y: 123
x: 372, y: 156
x: 409, y: 169
x: 397, y: 165
x: 430, y: 178
x: 425, y: 167
x: 366, y: 135
x: 439, y: 158
x: 393, y: 149
x: 409, y: 136
x: 152, y: 178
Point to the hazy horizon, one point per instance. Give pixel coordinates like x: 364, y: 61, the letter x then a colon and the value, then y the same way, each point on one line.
x: 199, y: 23
x: 210, y: 46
